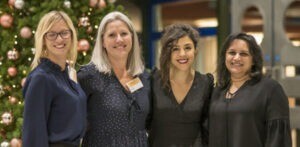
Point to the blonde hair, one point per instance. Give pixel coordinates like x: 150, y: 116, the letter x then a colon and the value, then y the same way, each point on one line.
x: 46, y: 22
x: 99, y: 57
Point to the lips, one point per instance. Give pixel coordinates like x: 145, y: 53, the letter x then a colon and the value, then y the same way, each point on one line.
x: 61, y: 46
x: 119, y: 46
x: 182, y: 61
x: 236, y: 64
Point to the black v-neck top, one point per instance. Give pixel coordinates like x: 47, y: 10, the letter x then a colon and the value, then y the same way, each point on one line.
x: 178, y: 124
x: 257, y: 116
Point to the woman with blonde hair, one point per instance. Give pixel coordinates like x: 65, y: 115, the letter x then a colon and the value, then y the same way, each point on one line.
x: 55, y: 104
x: 117, y: 87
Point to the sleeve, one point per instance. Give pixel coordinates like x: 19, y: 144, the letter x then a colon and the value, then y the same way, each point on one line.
x: 149, y: 117
x: 205, y: 109
x: 84, y: 77
x: 278, y: 124
x: 38, y: 95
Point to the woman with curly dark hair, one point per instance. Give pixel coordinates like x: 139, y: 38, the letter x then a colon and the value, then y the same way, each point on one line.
x: 180, y: 93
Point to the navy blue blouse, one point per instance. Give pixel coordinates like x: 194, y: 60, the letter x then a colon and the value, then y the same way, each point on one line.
x: 116, y: 117
x: 55, y: 107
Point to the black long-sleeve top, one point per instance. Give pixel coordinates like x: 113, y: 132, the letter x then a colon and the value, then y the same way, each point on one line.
x: 179, y: 125
x: 257, y: 116
x: 116, y: 117
x: 55, y: 107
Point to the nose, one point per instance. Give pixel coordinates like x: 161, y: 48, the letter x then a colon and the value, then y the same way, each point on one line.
x: 59, y: 38
x: 182, y: 52
x: 119, y: 38
x: 237, y: 56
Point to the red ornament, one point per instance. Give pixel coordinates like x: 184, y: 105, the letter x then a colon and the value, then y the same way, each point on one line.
x: 13, y: 54
x: 15, y: 142
x: 11, y: 2
x: 97, y: 3
x: 102, y: 4
x: 93, y: 3
x: 12, y: 100
x: 6, y: 20
x: 12, y: 71
x: 83, y: 45
x: 25, y: 32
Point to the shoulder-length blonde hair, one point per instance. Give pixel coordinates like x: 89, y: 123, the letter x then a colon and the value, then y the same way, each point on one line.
x: 99, y: 57
x: 46, y: 22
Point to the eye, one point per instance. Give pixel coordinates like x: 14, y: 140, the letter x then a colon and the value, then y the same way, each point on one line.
x: 244, y: 54
x: 175, y: 49
x: 111, y: 35
x: 65, y: 32
x: 188, y: 48
x: 124, y: 34
x: 232, y: 53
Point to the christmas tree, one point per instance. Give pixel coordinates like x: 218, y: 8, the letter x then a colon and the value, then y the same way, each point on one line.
x: 18, y: 22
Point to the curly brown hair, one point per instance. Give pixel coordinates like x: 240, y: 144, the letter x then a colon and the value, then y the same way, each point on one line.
x: 171, y: 35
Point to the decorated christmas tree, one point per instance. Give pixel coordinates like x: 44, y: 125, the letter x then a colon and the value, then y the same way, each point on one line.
x: 18, y: 22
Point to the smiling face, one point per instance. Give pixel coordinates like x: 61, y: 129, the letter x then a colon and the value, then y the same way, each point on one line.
x: 58, y: 47
x: 183, y: 54
x: 117, y: 40
x: 238, y: 59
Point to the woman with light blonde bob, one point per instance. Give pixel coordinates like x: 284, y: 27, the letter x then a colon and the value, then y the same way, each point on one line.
x: 55, y: 105
x: 99, y: 57
x: 117, y: 87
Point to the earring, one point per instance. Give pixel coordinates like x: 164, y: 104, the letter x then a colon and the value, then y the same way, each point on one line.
x: 45, y: 53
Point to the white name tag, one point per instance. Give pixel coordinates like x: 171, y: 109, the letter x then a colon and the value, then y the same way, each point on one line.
x: 134, y: 84
x: 72, y: 74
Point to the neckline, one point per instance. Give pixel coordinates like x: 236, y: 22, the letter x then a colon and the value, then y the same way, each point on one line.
x: 53, y: 66
x: 188, y: 92
x: 233, y: 95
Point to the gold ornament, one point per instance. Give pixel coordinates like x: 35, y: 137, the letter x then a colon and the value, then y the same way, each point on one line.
x: 12, y: 100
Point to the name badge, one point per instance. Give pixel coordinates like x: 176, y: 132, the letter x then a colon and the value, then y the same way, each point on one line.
x: 134, y: 84
x: 72, y: 74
